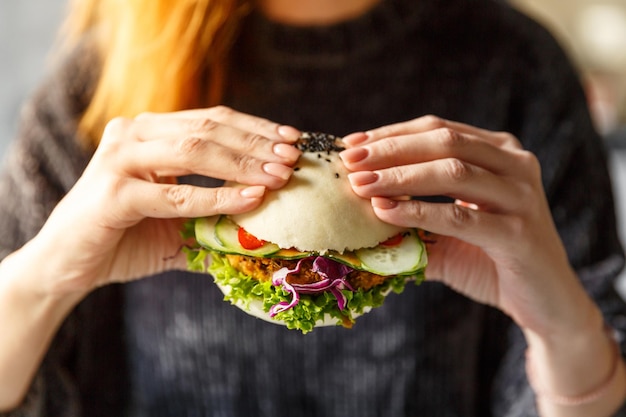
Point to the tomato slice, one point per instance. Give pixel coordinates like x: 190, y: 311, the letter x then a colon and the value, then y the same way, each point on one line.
x: 393, y: 241
x: 249, y: 241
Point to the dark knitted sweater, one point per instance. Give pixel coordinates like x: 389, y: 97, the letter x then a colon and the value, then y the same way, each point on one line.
x: 169, y: 345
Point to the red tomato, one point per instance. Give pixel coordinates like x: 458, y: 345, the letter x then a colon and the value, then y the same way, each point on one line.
x: 249, y: 241
x: 393, y: 241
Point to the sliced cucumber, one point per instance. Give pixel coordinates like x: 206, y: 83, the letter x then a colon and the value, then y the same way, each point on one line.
x: 346, y: 258
x: 405, y: 258
x: 290, y: 254
x: 205, y: 234
x: 226, y: 233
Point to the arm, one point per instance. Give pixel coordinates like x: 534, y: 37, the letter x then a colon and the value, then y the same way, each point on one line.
x: 29, y: 321
x: 125, y: 214
x: 497, y: 243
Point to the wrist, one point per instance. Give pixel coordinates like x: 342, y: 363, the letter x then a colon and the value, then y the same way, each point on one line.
x: 32, y: 281
x: 591, y: 395
x: 29, y: 318
x: 577, y: 374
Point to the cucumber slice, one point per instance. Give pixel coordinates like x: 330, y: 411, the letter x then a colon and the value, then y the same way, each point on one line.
x: 205, y: 234
x: 406, y: 258
x: 290, y: 254
x: 346, y: 258
x: 226, y: 233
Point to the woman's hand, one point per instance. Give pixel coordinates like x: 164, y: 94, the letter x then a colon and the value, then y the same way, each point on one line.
x: 123, y: 217
x: 496, y: 243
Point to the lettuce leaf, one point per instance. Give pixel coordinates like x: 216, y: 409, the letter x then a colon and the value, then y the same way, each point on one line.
x: 311, y: 308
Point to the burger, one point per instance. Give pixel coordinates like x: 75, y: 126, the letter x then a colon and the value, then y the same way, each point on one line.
x: 313, y: 253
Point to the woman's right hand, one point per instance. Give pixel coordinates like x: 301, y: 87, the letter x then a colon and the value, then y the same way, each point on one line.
x: 122, y: 219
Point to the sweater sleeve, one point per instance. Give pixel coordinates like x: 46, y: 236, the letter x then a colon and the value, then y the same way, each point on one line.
x: 556, y: 126
x: 40, y: 167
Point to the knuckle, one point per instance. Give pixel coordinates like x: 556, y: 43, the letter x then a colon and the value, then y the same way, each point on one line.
x: 450, y: 138
x: 460, y: 217
x: 112, y: 142
x: 219, y: 199
x: 253, y: 140
x: 457, y: 170
x: 530, y: 164
x: 387, y: 147
x: 396, y: 176
x: 201, y: 125
x: 189, y: 145
x: 432, y: 122
x: 221, y: 112
x: 242, y: 162
x: 509, y: 139
x: 116, y: 127
x: 529, y: 160
x: 417, y: 211
x: 180, y: 197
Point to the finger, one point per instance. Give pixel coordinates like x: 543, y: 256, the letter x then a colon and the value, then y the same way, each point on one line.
x: 144, y: 199
x: 197, y: 156
x: 449, y: 177
x: 185, y: 135
x: 250, y: 159
x: 430, y: 122
x: 435, y: 144
x: 480, y: 228
x: 228, y: 116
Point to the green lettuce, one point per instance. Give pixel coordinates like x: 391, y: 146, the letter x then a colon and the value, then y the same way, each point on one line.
x: 311, y: 309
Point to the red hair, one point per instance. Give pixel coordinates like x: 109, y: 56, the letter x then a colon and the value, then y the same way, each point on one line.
x: 156, y: 55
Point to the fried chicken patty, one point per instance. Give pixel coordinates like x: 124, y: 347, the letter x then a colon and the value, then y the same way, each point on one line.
x: 262, y: 269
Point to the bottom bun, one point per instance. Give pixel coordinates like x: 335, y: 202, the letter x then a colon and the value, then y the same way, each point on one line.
x: 257, y: 299
x: 254, y: 307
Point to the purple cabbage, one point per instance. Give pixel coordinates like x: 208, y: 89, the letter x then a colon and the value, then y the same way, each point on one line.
x: 333, y: 276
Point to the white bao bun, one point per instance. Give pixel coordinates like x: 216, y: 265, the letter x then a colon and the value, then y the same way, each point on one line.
x: 317, y: 210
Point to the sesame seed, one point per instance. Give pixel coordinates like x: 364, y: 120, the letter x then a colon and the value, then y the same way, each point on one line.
x: 319, y: 142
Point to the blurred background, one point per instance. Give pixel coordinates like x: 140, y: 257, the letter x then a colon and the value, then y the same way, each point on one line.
x: 594, y: 34
x: 27, y: 32
x: 592, y: 31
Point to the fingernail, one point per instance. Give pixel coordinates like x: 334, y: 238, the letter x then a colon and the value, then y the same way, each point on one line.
x: 286, y: 151
x: 254, y: 191
x: 290, y: 133
x: 384, y: 203
x: 353, y: 155
x: 355, y: 139
x: 278, y: 170
x: 362, y: 178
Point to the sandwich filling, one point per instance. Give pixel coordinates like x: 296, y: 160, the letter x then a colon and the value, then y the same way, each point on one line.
x: 303, y: 289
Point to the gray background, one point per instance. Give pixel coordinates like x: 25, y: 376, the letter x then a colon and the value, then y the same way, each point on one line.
x: 27, y: 32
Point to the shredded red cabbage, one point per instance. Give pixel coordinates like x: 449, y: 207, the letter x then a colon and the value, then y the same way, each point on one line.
x: 333, y: 279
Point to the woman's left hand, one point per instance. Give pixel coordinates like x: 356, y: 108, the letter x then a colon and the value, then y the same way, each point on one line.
x: 497, y: 242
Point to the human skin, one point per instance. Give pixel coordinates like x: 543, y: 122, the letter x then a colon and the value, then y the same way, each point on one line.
x: 496, y: 244
x: 125, y: 215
